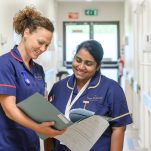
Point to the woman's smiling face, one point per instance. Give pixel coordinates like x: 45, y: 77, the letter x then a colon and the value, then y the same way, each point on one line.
x: 84, y: 65
x: 37, y: 42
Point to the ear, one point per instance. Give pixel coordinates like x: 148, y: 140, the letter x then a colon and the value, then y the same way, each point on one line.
x: 26, y: 32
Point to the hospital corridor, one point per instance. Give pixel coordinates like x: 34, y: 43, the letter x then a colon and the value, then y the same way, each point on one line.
x: 122, y: 27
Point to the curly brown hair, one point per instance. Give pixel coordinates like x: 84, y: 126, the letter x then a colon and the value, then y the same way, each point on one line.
x: 30, y: 18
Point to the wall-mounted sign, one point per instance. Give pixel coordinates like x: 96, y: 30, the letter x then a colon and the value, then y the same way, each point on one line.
x: 91, y: 12
x: 73, y: 15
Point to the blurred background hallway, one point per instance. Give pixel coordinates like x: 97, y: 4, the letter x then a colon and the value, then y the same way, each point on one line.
x: 124, y: 29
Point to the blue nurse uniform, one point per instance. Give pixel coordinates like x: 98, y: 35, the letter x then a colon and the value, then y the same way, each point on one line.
x: 105, y: 97
x: 16, y: 80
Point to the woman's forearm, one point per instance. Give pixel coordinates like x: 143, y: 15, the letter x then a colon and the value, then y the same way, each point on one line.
x: 117, y: 138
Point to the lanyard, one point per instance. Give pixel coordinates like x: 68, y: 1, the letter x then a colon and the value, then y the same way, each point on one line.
x: 70, y: 104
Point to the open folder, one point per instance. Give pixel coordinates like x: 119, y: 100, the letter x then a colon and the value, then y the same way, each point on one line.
x: 79, y: 136
x: 40, y: 110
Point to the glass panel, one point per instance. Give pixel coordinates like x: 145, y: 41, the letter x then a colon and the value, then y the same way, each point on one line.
x: 108, y: 37
x: 75, y: 34
x: 110, y: 73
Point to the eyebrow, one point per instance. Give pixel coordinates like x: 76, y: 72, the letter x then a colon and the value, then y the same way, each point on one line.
x: 85, y: 60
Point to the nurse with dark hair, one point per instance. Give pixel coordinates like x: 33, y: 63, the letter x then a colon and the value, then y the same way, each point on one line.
x: 96, y: 93
x: 21, y: 77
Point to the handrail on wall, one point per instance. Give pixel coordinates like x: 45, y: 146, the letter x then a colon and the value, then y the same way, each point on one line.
x: 146, y: 51
x: 146, y: 64
x: 147, y: 100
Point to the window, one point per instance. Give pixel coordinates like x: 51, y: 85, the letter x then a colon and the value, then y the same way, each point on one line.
x: 107, y: 33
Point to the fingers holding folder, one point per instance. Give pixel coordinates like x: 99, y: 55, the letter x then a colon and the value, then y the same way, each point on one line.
x: 50, y: 121
x: 47, y: 128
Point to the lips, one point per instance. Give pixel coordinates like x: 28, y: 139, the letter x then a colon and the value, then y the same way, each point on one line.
x: 37, y: 53
x: 80, y: 73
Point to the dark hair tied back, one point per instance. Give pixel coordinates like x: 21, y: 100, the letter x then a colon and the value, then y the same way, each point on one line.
x: 94, y: 48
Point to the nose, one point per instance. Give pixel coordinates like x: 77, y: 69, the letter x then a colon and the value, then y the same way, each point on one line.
x: 82, y: 65
x: 43, y: 48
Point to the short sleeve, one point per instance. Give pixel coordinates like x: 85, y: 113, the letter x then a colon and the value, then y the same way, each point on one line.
x: 7, y: 79
x: 118, y: 106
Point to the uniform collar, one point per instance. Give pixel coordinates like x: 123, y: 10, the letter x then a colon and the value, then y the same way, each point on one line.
x: 95, y: 81
x: 71, y: 82
x: 15, y: 54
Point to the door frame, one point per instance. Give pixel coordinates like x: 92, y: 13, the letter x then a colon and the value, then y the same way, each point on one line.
x: 105, y: 64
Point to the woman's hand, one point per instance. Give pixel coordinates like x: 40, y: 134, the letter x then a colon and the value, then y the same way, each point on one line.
x: 46, y: 129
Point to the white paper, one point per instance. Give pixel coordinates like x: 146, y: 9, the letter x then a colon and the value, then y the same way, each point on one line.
x: 82, y: 136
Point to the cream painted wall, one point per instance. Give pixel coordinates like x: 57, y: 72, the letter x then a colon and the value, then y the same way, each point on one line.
x: 107, y: 12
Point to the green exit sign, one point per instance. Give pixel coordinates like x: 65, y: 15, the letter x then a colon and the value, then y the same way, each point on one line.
x: 91, y: 12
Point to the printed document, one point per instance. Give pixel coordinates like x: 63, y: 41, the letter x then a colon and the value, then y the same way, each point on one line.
x: 81, y: 136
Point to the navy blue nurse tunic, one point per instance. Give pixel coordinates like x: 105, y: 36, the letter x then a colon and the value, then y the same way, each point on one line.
x: 16, y: 80
x: 105, y: 98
